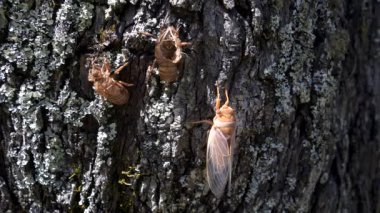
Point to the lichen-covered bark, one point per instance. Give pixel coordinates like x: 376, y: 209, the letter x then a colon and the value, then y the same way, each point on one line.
x: 303, y: 77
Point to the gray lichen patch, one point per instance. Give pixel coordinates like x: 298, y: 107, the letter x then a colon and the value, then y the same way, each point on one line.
x: 295, y: 60
x: 160, y: 132
x: 229, y: 4
x: 231, y: 41
x: 116, y: 2
x: 338, y: 41
x: 68, y: 28
x: 297, y: 81
x: 98, y: 173
x: 163, y: 140
x: 188, y: 5
x: 38, y: 142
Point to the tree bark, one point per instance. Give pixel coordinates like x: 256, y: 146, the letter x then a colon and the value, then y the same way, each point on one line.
x: 303, y: 77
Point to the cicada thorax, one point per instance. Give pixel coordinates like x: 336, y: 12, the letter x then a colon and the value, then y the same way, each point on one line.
x: 168, y: 53
x: 225, y: 120
x: 226, y: 127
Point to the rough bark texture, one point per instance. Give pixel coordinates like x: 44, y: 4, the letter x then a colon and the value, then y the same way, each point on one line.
x: 303, y: 77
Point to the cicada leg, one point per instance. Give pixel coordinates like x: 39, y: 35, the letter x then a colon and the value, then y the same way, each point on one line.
x: 227, y: 98
x: 184, y: 44
x: 125, y: 84
x: 150, y: 70
x: 106, y: 67
x: 148, y: 35
x: 217, y: 103
x: 202, y: 122
x: 120, y: 68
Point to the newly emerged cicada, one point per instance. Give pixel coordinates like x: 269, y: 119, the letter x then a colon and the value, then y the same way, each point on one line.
x: 221, y: 146
x: 168, y: 53
x: 112, y: 90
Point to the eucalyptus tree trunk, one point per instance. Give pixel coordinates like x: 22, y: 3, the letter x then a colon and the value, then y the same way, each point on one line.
x: 303, y: 77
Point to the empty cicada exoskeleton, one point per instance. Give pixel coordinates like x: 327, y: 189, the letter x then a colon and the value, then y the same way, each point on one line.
x: 221, y: 146
x: 112, y: 90
x: 168, y: 53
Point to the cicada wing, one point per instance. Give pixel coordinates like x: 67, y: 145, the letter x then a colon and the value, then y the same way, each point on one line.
x: 233, y: 148
x: 218, y: 161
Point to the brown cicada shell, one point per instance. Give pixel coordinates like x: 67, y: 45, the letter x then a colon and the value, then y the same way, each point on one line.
x: 168, y: 53
x: 112, y: 90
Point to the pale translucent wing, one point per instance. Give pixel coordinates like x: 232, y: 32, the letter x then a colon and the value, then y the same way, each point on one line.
x: 233, y: 147
x: 218, y: 161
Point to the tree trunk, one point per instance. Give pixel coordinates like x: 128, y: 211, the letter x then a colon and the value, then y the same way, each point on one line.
x: 303, y: 77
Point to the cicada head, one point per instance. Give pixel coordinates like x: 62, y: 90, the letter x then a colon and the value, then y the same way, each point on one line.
x: 99, y: 72
x: 169, y: 43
